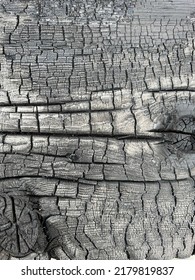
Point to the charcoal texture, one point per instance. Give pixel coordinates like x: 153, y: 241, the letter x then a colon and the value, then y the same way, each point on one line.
x: 97, y: 129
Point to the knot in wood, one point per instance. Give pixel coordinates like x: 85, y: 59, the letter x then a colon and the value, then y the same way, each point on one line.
x: 18, y: 225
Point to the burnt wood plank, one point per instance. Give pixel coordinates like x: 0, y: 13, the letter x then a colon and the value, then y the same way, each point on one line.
x: 97, y: 134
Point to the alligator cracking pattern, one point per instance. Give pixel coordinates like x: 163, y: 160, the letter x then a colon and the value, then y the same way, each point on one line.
x: 97, y: 132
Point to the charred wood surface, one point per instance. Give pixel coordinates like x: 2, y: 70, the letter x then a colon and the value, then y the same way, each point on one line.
x: 97, y: 129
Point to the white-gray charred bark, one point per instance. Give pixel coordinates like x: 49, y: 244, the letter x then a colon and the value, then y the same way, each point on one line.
x: 97, y: 129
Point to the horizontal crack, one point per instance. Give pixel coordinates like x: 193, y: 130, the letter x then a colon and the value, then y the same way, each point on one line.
x: 108, y: 89
x: 183, y: 89
x: 62, y: 134
x: 64, y: 102
x: 80, y: 180
x: 172, y: 131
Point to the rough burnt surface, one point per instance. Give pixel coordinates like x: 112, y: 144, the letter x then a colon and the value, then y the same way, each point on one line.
x: 97, y: 129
